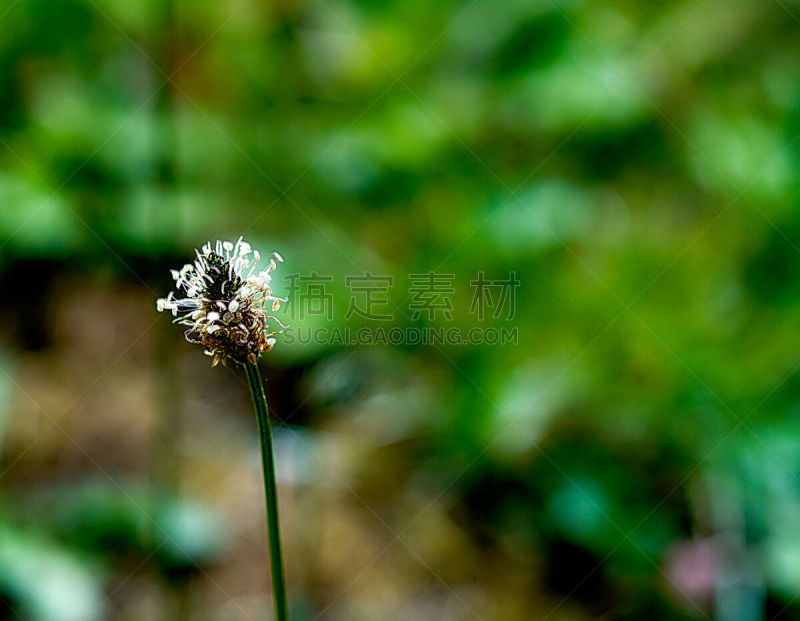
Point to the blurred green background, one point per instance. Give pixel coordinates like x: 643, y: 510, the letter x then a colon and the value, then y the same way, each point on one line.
x: 634, y: 456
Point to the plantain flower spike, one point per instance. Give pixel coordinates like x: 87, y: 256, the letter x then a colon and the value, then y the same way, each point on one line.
x: 225, y: 302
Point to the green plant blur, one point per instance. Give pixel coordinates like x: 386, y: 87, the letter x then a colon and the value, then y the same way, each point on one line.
x: 635, y: 165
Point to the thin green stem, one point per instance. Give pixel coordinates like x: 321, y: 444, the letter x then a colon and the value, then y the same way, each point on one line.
x: 270, y: 490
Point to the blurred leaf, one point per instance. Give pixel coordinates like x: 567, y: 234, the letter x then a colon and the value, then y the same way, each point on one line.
x: 547, y: 214
x: 528, y: 403
x: 733, y: 154
x: 104, y: 517
x: 593, y: 89
x: 45, y: 581
x: 35, y: 221
x: 189, y: 533
x: 581, y: 509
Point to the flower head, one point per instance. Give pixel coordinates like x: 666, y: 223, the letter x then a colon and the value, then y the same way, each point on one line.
x: 225, y: 301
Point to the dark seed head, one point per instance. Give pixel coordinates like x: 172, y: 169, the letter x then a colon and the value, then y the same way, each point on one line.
x: 222, y: 282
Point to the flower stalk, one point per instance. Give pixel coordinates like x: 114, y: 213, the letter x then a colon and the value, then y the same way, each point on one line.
x: 270, y: 490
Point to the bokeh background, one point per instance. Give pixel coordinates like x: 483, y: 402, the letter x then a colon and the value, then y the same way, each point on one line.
x: 634, y: 456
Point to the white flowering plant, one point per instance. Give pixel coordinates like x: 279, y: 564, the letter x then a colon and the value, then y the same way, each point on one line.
x: 225, y: 301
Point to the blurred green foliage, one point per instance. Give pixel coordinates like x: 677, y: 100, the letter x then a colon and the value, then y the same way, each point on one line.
x: 634, y: 163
